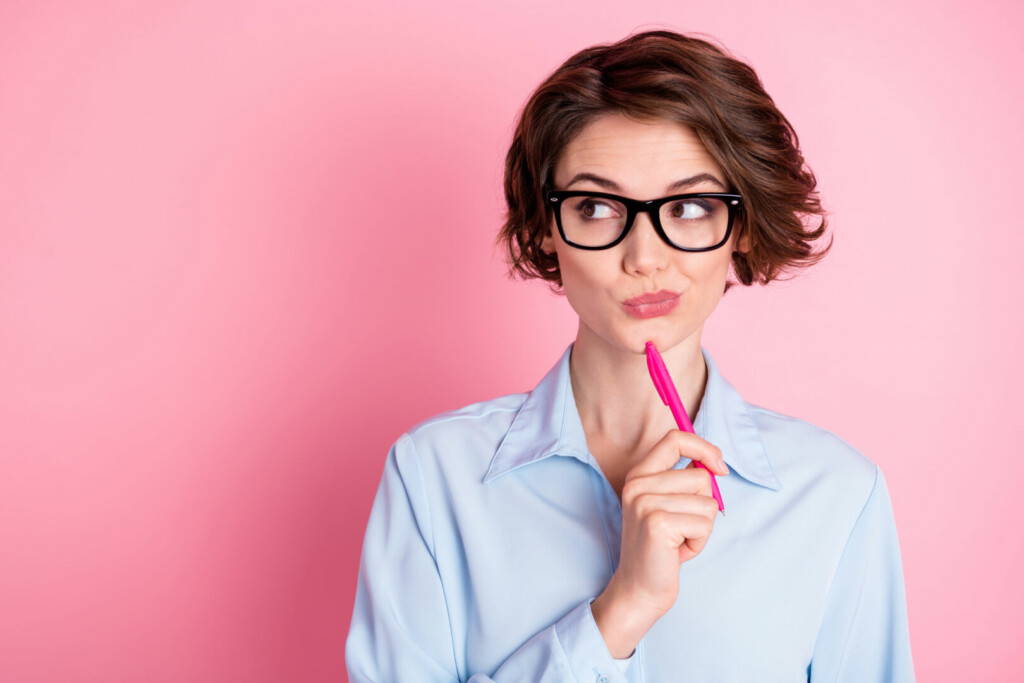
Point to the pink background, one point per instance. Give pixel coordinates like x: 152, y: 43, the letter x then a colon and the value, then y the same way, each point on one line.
x: 211, y: 331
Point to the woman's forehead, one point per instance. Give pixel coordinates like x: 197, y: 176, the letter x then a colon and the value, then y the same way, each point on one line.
x: 616, y: 145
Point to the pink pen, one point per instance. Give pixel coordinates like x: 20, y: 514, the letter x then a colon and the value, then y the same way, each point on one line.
x: 670, y: 397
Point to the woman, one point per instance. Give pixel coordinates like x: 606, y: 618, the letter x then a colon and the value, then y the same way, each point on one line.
x: 563, y: 534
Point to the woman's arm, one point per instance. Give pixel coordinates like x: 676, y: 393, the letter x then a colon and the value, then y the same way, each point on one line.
x: 400, y: 628
x: 864, y: 635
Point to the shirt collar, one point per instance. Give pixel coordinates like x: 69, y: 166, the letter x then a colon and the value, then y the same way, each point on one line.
x: 548, y: 423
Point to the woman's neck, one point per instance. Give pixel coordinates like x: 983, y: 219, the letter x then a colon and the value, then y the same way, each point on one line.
x: 616, y: 399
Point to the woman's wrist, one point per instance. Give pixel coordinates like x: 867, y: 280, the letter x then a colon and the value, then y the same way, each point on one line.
x: 620, y: 623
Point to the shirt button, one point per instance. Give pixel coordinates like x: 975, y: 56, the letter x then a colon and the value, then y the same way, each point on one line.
x: 601, y: 678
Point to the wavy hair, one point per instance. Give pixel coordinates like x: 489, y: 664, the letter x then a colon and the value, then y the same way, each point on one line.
x: 664, y: 74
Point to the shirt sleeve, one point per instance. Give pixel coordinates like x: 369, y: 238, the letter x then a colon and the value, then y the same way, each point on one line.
x: 864, y: 635
x: 400, y: 628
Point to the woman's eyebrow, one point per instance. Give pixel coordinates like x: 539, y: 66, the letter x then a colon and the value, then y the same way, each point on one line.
x: 677, y: 185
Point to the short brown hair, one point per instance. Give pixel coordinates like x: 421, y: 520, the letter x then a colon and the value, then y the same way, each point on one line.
x: 663, y: 74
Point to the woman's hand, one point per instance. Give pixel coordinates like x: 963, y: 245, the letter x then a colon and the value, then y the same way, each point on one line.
x: 667, y: 518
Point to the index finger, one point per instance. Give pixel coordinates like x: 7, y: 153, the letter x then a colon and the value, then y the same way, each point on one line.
x: 678, y: 444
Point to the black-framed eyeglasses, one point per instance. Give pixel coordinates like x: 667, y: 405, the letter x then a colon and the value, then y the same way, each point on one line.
x: 699, y: 221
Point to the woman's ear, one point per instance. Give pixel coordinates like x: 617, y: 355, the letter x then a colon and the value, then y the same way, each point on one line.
x: 744, y: 243
x: 547, y: 245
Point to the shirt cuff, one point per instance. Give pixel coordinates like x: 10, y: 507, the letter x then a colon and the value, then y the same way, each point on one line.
x: 585, y: 647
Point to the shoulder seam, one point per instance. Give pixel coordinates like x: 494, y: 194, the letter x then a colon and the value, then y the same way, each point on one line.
x: 846, y: 544
x: 433, y: 550
x: 860, y: 514
x: 423, y: 493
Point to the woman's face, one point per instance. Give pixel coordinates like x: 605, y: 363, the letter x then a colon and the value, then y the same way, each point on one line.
x: 642, y: 159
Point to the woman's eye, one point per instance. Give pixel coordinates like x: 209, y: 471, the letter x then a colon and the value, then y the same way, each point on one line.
x: 690, y: 210
x: 592, y: 209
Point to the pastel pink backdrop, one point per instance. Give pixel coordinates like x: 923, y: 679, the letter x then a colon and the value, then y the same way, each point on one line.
x: 245, y: 245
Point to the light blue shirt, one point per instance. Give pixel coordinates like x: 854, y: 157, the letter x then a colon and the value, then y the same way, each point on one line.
x: 493, y: 529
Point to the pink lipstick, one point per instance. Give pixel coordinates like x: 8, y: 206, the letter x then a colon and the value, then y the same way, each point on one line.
x: 652, y: 304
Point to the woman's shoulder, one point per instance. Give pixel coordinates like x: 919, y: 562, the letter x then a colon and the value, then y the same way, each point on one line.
x: 801, y: 449
x: 475, y: 428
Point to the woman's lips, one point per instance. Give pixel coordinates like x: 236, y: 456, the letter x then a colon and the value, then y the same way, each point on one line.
x: 651, y: 310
